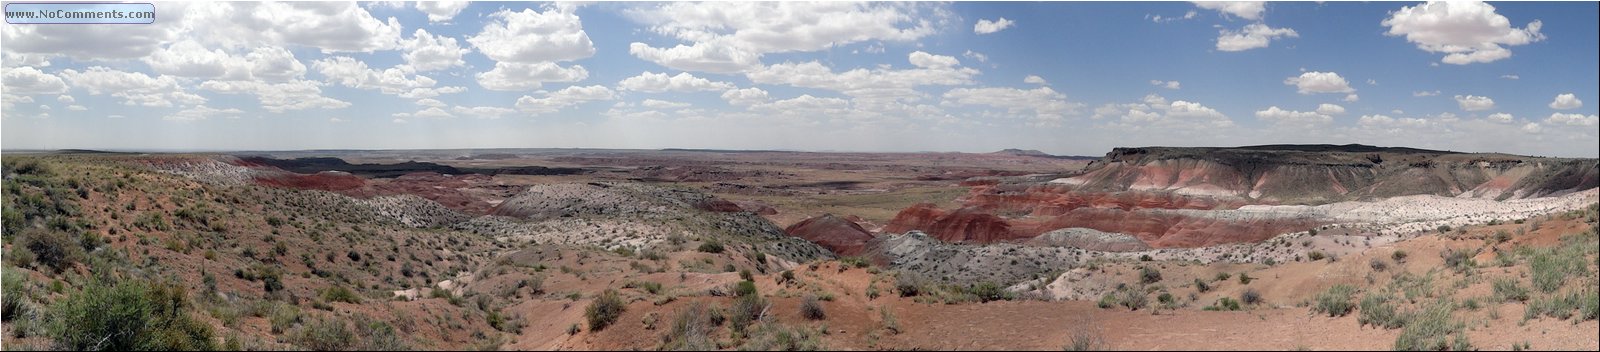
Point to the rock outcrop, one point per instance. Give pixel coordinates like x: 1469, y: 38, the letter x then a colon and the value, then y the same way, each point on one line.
x: 837, y: 234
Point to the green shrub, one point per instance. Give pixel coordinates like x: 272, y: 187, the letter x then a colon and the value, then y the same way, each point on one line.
x: 711, y: 247
x: 648, y: 286
x: 691, y: 330
x: 1200, y: 285
x: 1148, y: 275
x: 1250, y: 296
x: 1379, y: 310
x: 1316, y: 255
x: 1224, y: 304
x: 1085, y: 340
x: 604, y: 310
x: 1244, y: 279
x: 1132, y: 298
x: 907, y: 285
x: 744, y: 288
x: 989, y: 292
x: 811, y: 308
x: 1551, y: 267
x: 326, y: 334
x: 52, y: 248
x: 1336, y: 301
x: 1399, y: 256
x: 1458, y: 259
x: 340, y: 294
x: 130, y: 315
x: 1506, y: 290
x: 746, y: 310
x: 1433, y: 330
x: 14, y: 295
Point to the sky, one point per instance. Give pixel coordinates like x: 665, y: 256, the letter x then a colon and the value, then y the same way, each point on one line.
x: 1068, y: 78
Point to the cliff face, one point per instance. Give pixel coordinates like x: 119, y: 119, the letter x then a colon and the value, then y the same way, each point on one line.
x: 1159, y: 195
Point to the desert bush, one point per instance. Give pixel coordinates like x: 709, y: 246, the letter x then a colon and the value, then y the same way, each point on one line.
x: 1316, y: 255
x: 691, y: 330
x: 1222, y: 276
x: 1379, y: 310
x: 1224, y: 304
x: 1201, y: 285
x: 744, y: 288
x: 908, y: 285
x: 129, y: 315
x: 713, y: 247
x: 1244, y: 278
x: 648, y: 286
x: 811, y: 308
x: 55, y: 249
x: 1433, y: 330
x: 605, y: 310
x: 1506, y: 290
x: 745, y: 311
x: 890, y: 323
x: 989, y: 292
x: 1336, y: 301
x: 1458, y: 259
x: 325, y: 334
x: 1132, y: 299
x: 1399, y: 256
x: 1148, y: 275
x: 1551, y: 267
x: 777, y: 337
x: 1250, y: 296
x: 13, y: 292
x: 340, y: 294
x: 1085, y: 340
x: 1378, y: 264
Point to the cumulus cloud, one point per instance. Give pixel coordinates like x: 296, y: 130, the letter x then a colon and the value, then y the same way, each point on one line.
x: 986, y: 26
x: 279, y: 97
x: 441, y: 11
x: 1566, y: 101
x: 426, y: 52
x: 202, y: 112
x: 1474, y: 103
x: 1571, y: 119
x: 135, y: 88
x: 526, y: 76
x: 1501, y: 117
x: 484, y: 112
x: 1319, y: 82
x: 732, y: 37
x: 1041, y: 104
x: 1155, y: 111
x: 1033, y: 79
x: 1277, y: 115
x: 1424, y: 93
x: 1330, y: 109
x: 926, y: 60
x: 354, y: 73
x: 651, y: 82
x: 28, y: 80
x: 861, y: 82
x: 1465, y: 31
x: 1250, y: 10
x: 976, y: 56
x: 1532, y: 127
x: 745, y: 97
x: 550, y: 102
x: 191, y: 59
x: 662, y: 104
x: 1166, y: 84
x: 527, y: 44
x: 1253, y: 36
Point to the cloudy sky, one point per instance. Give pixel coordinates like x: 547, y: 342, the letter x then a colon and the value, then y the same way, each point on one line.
x: 1065, y: 78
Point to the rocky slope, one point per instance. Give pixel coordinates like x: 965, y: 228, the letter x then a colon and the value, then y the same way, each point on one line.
x: 837, y: 234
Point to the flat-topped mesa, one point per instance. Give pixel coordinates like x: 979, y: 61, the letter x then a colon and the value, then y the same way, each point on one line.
x: 1167, y: 196
x: 1316, y: 174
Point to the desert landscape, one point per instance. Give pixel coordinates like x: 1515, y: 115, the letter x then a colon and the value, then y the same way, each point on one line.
x: 674, y: 249
x: 799, y: 175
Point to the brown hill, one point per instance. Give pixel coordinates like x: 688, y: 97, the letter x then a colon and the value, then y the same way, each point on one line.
x: 837, y: 234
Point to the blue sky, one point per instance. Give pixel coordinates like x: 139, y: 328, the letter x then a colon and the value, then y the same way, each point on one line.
x: 1065, y: 78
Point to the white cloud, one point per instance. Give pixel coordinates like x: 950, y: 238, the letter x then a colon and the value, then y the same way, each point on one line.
x: 330, y: 26
x: 530, y: 36
x: 1250, y: 10
x: 66, y: 99
x: 561, y: 99
x: 1372, y: 82
x: 731, y: 37
x: 1566, y: 101
x: 660, y: 82
x: 1032, y: 79
x: 1255, y: 35
x: 745, y: 97
x: 1042, y: 103
x: 1389, y: 122
x: 976, y: 56
x: 431, y: 102
x: 134, y: 88
x: 1511, y: 77
x: 354, y: 73
x: 986, y: 26
x: 28, y: 80
x: 805, y: 106
x: 1166, y: 84
x: 432, y: 113
x: 441, y: 11
x: 1424, y: 93
x: 1351, y: 98
x: 662, y: 104
x: 191, y: 59
x: 426, y: 52
x: 485, y: 112
x: 1465, y: 31
x: 1319, y: 82
x: 279, y: 97
x: 1154, y: 111
x: 518, y: 76
x: 9, y: 100
x: 880, y: 82
x: 1572, y: 119
x: 202, y: 112
x: 1501, y: 117
x: 1532, y: 127
x: 1474, y: 103
x: 926, y: 60
x: 77, y: 108
x: 1330, y: 109
x: 1276, y: 115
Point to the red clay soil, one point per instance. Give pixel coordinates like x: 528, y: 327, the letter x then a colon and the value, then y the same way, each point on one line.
x: 961, y: 225
x: 326, y: 181
x: 837, y: 234
x: 718, y: 205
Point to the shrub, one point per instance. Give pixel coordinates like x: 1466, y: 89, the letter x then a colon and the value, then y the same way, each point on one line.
x: 1244, y: 279
x: 1433, y: 330
x: 691, y: 330
x: 1379, y: 310
x: 15, y: 289
x: 1551, y: 267
x: 1336, y: 301
x: 1224, y: 304
x: 744, y: 288
x: 1458, y: 259
x: 1399, y: 256
x: 989, y: 291
x: 1222, y: 276
x: 604, y: 310
x: 811, y: 308
x: 340, y: 294
x: 1133, y: 299
x: 1506, y: 290
x: 52, y: 248
x: 1378, y: 264
x: 1145, y: 258
x: 746, y: 310
x: 130, y: 315
x: 907, y: 285
x: 326, y: 334
x: 711, y: 247
x: 1148, y: 275
x: 1316, y: 255
x: 1085, y: 340
x: 1250, y: 296
x: 648, y: 286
